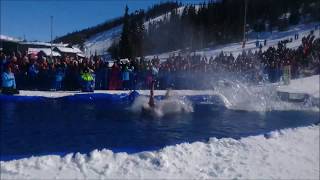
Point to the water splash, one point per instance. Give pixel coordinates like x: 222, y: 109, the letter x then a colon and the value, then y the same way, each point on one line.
x: 171, y: 105
x: 242, y: 96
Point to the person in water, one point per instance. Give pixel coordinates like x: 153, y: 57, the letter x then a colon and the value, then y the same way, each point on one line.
x: 151, y: 99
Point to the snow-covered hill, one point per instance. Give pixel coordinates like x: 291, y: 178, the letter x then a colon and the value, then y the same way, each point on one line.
x: 100, y: 43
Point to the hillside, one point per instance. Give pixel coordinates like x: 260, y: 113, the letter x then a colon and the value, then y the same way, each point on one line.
x: 170, y: 27
x: 106, y: 29
x: 236, y: 48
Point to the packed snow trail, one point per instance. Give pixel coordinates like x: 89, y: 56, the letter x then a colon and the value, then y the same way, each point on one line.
x: 285, y: 154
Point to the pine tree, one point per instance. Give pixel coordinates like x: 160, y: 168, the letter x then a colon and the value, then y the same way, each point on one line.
x: 124, y: 44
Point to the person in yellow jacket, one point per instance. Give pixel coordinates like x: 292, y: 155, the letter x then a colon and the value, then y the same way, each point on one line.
x: 87, y: 81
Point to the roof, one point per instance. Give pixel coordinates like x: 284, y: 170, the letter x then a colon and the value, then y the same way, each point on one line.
x: 44, y: 44
x: 77, y: 50
x: 69, y: 50
x: 46, y: 51
x: 80, y: 55
x: 7, y: 38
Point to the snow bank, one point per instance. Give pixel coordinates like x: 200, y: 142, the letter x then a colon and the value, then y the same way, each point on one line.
x: 285, y: 154
x: 308, y: 85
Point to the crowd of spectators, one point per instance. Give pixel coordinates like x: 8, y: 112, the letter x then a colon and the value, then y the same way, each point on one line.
x: 178, y: 71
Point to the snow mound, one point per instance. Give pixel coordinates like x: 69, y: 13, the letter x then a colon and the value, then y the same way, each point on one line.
x: 308, y: 85
x: 284, y: 154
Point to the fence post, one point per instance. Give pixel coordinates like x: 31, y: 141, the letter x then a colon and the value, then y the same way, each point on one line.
x: 286, y: 74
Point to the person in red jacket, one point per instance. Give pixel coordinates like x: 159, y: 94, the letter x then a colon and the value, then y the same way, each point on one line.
x: 115, y: 82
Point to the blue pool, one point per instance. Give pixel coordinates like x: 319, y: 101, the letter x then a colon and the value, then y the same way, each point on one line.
x: 38, y: 126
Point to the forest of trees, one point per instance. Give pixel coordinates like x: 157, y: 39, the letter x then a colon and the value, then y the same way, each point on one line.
x: 216, y: 22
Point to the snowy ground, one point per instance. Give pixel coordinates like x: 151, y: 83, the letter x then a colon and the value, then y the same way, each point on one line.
x: 285, y: 154
x: 309, y: 85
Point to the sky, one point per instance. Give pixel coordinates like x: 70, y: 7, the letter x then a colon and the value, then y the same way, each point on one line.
x: 30, y: 19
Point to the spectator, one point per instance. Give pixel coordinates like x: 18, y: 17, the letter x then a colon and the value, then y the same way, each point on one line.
x: 8, y: 82
x: 87, y: 81
x: 126, y: 77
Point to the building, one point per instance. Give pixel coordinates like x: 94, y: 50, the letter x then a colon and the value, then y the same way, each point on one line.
x: 69, y: 51
x: 44, y: 52
x: 10, y: 45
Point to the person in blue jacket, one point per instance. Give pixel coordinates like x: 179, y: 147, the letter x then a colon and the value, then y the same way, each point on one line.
x: 126, y: 77
x: 8, y: 82
x: 59, y: 77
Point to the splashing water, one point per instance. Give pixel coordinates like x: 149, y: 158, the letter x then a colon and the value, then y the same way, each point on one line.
x: 230, y: 94
x: 171, y: 105
x: 241, y: 96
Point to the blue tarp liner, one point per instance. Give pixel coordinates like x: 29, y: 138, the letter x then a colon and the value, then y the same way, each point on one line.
x: 98, y: 97
x: 21, y: 98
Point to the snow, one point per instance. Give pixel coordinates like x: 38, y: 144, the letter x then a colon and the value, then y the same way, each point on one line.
x: 46, y: 51
x: 166, y: 15
x: 283, y: 154
x: 44, y: 44
x: 68, y: 50
x: 101, y: 42
x: 8, y: 38
x: 307, y: 85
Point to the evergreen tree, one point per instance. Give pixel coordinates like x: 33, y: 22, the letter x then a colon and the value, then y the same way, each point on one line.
x: 125, y: 44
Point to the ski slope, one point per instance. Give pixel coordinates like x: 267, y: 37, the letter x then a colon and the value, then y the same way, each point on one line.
x: 284, y: 154
x: 100, y: 43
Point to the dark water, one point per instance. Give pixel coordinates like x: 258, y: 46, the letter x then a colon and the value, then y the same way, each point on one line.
x: 59, y: 126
